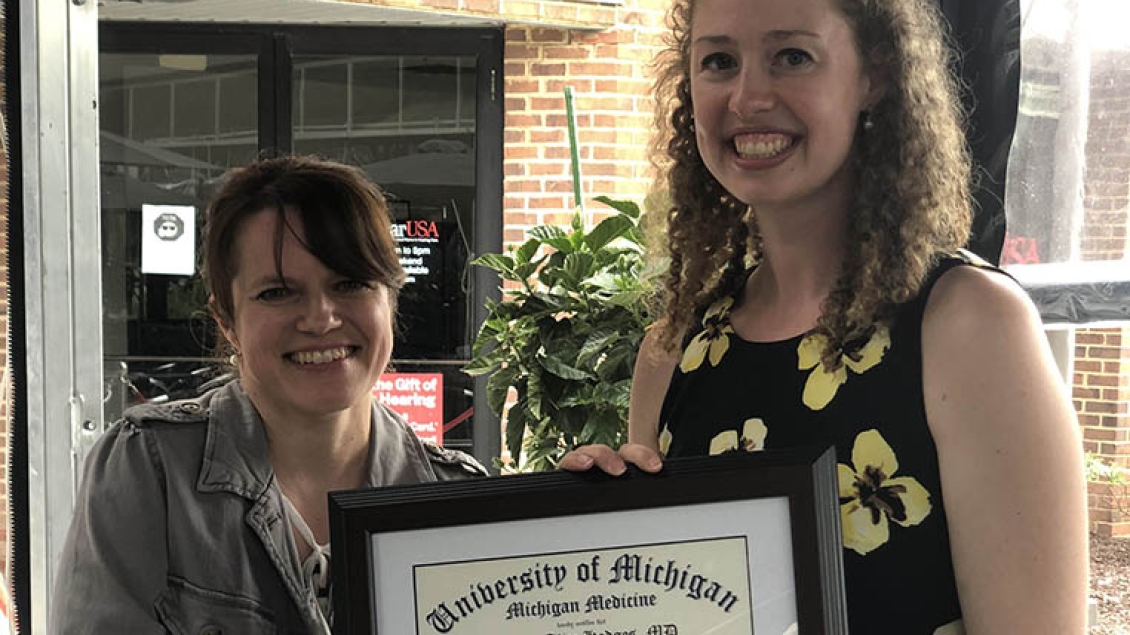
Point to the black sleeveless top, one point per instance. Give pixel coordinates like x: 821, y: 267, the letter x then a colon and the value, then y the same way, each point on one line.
x: 730, y: 395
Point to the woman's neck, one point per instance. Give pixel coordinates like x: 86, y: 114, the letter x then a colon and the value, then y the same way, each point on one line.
x: 314, y: 454
x: 802, y: 252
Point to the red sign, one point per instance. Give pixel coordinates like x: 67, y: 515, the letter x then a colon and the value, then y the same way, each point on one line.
x: 418, y: 397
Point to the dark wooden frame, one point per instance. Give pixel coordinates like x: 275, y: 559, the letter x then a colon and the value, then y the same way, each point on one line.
x: 807, y: 477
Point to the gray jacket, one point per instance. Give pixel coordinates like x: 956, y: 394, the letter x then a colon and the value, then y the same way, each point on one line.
x: 179, y: 527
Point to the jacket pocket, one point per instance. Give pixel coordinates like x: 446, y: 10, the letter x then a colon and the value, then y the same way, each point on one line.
x: 186, y: 609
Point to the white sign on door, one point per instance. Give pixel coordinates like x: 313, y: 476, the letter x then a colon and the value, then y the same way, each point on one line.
x: 168, y: 239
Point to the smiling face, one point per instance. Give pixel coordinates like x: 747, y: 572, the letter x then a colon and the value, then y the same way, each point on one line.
x: 311, y: 342
x: 778, y: 87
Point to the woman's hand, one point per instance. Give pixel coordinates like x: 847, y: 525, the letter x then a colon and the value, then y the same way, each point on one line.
x: 610, y: 461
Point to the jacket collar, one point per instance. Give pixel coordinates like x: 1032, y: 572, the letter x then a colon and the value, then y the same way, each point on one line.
x: 236, y: 459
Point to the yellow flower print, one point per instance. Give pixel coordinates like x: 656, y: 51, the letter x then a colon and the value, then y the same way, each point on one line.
x: 753, y: 438
x: 714, y: 340
x: 870, y: 495
x: 664, y: 441
x: 822, y: 385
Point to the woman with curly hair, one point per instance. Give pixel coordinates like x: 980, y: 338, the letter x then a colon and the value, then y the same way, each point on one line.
x: 816, y: 294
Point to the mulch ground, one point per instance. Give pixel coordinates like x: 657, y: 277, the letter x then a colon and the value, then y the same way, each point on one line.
x: 1110, y: 584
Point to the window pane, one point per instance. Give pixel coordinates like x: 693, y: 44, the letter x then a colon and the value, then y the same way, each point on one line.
x: 1068, y: 190
x: 376, y: 95
x: 430, y: 85
x: 324, y: 97
x: 194, y: 105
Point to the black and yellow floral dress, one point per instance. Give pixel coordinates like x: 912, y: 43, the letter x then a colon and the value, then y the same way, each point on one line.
x: 729, y: 395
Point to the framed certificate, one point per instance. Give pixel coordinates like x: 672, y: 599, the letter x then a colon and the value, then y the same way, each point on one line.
x: 738, y: 544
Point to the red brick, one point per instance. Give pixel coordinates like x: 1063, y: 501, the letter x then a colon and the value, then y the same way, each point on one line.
x: 514, y: 135
x: 522, y: 51
x: 513, y: 236
x: 1089, y: 337
x: 515, y: 104
x: 520, y: 152
x: 517, y: 34
x: 522, y: 86
x: 566, y: 53
x: 1104, y: 407
x: 1104, y: 434
x: 543, y: 69
x: 520, y: 218
x: 523, y: 185
x: 1102, y: 380
x: 513, y: 168
x: 549, y: 35
x: 1078, y: 393
x: 514, y: 69
x: 440, y: 4
x: 554, y: 168
x: 552, y: 135
x: 561, y: 152
x: 523, y: 120
x: 548, y: 103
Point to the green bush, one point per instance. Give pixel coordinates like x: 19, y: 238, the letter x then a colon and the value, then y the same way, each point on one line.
x: 1100, y: 471
x: 566, y: 337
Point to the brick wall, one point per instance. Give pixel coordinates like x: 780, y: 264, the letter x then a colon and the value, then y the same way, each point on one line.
x: 609, y: 72
x: 1102, y: 356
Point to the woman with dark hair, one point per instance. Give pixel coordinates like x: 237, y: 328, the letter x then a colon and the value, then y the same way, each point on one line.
x: 816, y: 295
x: 212, y: 512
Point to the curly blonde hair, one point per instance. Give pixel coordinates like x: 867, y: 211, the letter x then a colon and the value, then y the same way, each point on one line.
x: 911, y: 174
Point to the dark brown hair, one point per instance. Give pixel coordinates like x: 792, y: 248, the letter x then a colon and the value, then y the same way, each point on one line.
x: 911, y: 172
x: 343, y: 217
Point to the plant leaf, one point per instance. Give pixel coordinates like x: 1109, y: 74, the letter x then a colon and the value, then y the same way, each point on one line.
x: 561, y: 369
x: 596, y: 343
x: 481, y: 365
x: 608, y: 230
x: 498, y: 388
x: 501, y: 263
x: 579, y: 266
x: 624, y: 207
x: 526, y: 252
x: 516, y: 430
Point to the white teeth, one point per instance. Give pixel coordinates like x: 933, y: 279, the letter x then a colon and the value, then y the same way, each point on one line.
x: 321, y: 357
x: 761, y: 146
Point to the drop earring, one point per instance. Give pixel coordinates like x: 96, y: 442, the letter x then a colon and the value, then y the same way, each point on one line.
x: 868, y: 122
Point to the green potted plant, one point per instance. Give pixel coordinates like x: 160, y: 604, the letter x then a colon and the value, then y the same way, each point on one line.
x: 565, y: 336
